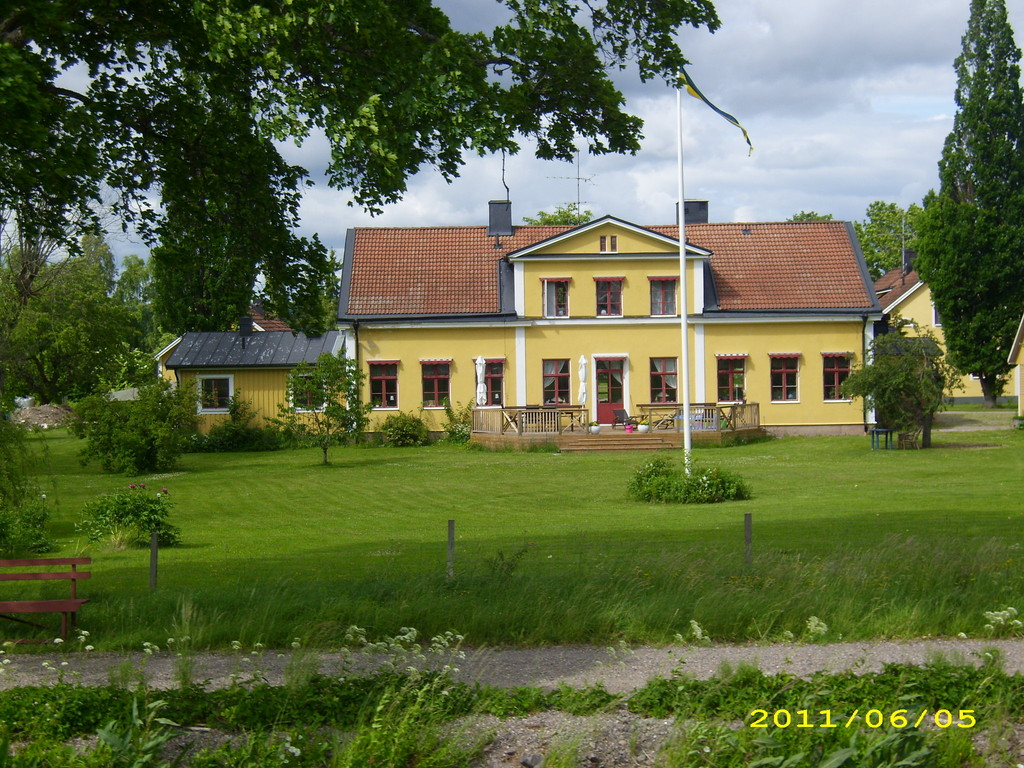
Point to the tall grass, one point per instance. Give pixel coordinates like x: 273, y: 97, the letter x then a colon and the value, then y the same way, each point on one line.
x: 550, y: 550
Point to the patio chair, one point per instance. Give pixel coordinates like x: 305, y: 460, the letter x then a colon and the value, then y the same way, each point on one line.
x: 622, y: 418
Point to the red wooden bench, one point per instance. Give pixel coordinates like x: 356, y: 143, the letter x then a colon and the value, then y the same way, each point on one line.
x: 66, y: 608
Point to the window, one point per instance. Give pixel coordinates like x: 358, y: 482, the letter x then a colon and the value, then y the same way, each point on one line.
x: 556, y: 381
x: 836, y: 368
x: 731, y: 373
x: 306, y: 396
x: 664, y: 386
x: 784, y: 377
x: 436, y: 377
x: 936, y: 318
x: 215, y: 393
x: 384, y: 385
x: 494, y: 378
x: 609, y: 297
x: 663, y: 295
x: 556, y: 298
x: 609, y: 243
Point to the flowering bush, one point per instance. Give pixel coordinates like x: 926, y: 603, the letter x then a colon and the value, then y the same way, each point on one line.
x: 127, y: 518
x: 659, y: 480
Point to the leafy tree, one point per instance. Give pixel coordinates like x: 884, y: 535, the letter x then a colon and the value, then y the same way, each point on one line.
x: 567, y: 213
x: 137, y: 436
x: 810, y: 216
x: 187, y: 99
x: 885, y: 233
x: 324, y: 403
x: 905, y: 382
x: 65, y: 336
x: 972, y: 230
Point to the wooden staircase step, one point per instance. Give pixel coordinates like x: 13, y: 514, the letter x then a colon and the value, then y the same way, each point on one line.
x: 615, y: 442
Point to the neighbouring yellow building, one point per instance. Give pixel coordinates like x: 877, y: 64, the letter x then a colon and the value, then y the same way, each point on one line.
x: 901, y: 292
x: 777, y: 314
x: 1016, y: 359
x: 253, y: 366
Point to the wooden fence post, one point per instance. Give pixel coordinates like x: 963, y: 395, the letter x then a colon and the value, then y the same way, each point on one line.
x: 748, y: 537
x: 154, y: 548
x: 451, y: 549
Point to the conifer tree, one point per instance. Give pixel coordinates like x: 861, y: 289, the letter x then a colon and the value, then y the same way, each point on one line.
x: 971, y: 246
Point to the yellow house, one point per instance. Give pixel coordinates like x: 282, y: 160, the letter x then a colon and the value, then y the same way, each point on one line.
x: 777, y: 314
x: 1016, y: 359
x: 253, y: 366
x: 902, y: 292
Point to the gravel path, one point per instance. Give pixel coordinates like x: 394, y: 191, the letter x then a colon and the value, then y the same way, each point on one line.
x: 620, y: 670
x: 617, y: 738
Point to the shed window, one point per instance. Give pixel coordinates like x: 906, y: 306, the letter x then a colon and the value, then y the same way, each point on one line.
x: 215, y: 393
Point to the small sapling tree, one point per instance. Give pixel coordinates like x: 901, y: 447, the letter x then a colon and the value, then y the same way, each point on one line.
x: 905, y: 382
x: 323, y: 402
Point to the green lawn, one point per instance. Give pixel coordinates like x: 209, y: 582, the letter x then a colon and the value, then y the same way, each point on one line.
x: 549, y: 549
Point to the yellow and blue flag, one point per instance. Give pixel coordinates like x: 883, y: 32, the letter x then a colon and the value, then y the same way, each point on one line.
x: 687, y: 81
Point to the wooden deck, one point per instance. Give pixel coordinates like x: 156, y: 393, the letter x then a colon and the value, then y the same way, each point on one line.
x: 565, y: 427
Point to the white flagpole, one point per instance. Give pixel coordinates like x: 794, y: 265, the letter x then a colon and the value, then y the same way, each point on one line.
x: 683, y: 300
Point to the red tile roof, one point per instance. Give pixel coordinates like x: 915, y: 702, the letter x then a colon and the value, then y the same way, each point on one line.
x: 268, y: 323
x: 784, y: 265
x: 454, y: 270
x: 894, y: 285
x: 430, y: 270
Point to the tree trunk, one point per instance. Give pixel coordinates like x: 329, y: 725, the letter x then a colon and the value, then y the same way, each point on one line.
x: 324, y: 447
x: 926, y: 430
x: 988, y: 388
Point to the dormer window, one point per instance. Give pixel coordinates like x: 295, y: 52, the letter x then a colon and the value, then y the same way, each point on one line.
x: 609, y: 243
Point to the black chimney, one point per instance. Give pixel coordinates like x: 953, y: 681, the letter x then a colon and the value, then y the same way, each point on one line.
x: 696, y: 211
x: 499, y: 222
x: 244, y: 328
x: 909, y: 257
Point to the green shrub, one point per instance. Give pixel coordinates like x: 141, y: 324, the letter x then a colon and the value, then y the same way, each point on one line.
x: 22, y: 509
x: 137, y: 436
x: 403, y: 429
x: 458, y: 425
x: 23, y: 528
x: 127, y: 518
x: 660, y: 480
x: 238, y: 433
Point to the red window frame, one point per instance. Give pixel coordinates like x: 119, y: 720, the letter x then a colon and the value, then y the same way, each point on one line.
x: 494, y: 381
x: 661, y: 390
x: 835, y: 370
x: 663, y: 296
x: 785, y: 377
x: 436, y: 376
x: 560, y: 296
x: 556, y: 382
x: 732, y: 373
x: 609, y: 296
x: 384, y: 384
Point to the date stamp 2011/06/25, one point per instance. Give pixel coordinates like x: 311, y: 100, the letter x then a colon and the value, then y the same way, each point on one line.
x: 872, y: 718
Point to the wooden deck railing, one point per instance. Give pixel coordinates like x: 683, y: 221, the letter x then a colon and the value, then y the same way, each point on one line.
x: 704, y: 417
x: 530, y: 419
x: 556, y: 420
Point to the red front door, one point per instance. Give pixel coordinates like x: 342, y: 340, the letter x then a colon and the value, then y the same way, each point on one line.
x: 610, y: 388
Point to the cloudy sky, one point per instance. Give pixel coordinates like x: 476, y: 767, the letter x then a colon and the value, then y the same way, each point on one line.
x: 846, y: 103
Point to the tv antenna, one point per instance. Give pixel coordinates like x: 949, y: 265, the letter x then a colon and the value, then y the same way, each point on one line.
x: 580, y: 180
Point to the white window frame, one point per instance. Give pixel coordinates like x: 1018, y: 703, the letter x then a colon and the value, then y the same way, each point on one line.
x: 299, y: 409
x: 551, y: 285
x: 200, y: 378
